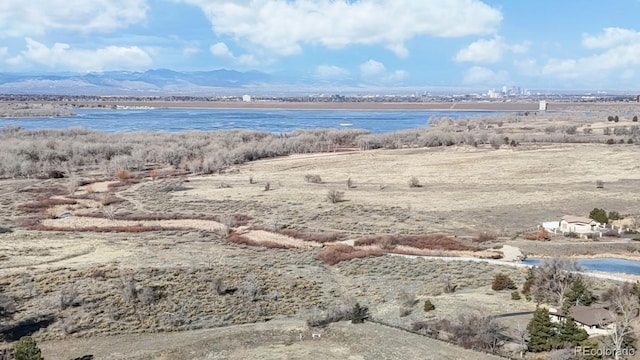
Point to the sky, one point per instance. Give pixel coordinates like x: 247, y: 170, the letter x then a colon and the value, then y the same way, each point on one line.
x: 541, y: 44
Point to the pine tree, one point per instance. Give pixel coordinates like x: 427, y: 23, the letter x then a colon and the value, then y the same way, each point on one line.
x: 541, y: 331
x: 26, y: 349
x: 569, y: 334
x: 578, y: 294
x: 359, y: 314
x: 529, y: 281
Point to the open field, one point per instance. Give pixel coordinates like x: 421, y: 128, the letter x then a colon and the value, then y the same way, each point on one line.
x: 187, y: 263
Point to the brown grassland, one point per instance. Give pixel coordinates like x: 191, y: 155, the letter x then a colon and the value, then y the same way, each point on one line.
x: 173, y: 246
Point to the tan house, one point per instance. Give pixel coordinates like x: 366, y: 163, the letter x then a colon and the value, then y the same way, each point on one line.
x: 595, y: 320
x: 582, y: 226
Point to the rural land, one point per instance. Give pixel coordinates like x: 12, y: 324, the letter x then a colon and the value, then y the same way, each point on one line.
x: 324, y: 243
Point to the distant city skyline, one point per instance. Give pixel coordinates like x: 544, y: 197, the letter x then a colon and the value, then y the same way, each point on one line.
x: 466, y: 44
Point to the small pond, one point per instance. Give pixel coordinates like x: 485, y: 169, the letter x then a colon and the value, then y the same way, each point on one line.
x: 608, y: 265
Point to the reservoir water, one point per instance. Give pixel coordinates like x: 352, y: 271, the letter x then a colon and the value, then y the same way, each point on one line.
x: 609, y: 265
x: 277, y: 121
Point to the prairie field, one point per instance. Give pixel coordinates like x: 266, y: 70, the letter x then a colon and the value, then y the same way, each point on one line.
x: 150, y: 247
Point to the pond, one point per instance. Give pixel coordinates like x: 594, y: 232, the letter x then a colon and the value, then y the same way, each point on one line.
x: 608, y: 265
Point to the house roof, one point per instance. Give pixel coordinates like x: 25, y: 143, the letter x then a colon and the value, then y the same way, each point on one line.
x: 577, y: 219
x: 590, y: 315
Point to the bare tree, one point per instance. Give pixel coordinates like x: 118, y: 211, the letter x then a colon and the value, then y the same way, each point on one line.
x: 448, y: 287
x: 623, y: 308
x: 552, y: 279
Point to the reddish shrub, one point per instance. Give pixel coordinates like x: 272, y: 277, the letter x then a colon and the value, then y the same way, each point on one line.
x: 122, y: 174
x: 430, y: 242
x: 43, y: 204
x: 105, y: 229
x: 541, y: 235
x: 239, y: 239
x: 48, y: 192
x: 312, y: 236
x: 122, y: 183
x: 336, y: 253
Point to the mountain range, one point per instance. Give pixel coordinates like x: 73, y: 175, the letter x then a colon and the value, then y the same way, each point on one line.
x: 160, y: 82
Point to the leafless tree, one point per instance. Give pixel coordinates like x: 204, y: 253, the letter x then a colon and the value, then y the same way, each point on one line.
x: 553, y: 277
x: 624, y: 307
x: 448, y: 287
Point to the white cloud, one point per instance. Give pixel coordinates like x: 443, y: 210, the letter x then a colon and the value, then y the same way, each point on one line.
x: 221, y: 50
x: 62, y: 57
x: 282, y: 27
x: 489, y: 51
x: 620, y: 54
x: 3, y: 51
x: 610, y: 37
x: 190, y: 50
x: 35, y: 17
x: 478, y: 75
x: 330, y: 72
x: 375, y: 72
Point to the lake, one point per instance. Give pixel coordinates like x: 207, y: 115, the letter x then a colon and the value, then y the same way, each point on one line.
x: 277, y: 121
x: 609, y: 265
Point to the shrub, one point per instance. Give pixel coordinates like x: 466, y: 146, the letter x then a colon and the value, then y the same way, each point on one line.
x: 321, y: 237
x: 335, y: 196
x: 635, y: 118
x: 515, y: 295
x: 501, y: 282
x: 349, y: 183
x: 414, y: 182
x: 614, y: 215
x: 616, y: 118
x: 485, y: 236
x: 267, y: 186
x: 340, y: 252
x: 428, y: 306
x: 599, y: 184
x: 610, y: 141
x: 313, y: 178
x: 359, y: 314
x: 122, y: 174
x: 27, y: 349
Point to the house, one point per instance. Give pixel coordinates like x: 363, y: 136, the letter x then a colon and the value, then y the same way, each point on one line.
x: 579, y: 225
x: 595, y: 320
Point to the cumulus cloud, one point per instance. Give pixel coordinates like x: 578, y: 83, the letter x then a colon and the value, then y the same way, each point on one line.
x: 375, y: 72
x: 35, y: 17
x: 330, y: 72
x: 62, y: 56
x: 221, y: 50
x: 489, y: 51
x: 478, y: 75
x: 282, y: 27
x: 190, y: 50
x: 609, y: 38
x: 620, y: 53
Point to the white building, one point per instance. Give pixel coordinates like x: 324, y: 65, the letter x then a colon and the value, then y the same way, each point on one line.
x: 246, y: 98
x: 579, y: 225
x: 543, y: 105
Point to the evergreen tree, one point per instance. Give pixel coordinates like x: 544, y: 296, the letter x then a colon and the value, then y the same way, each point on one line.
x: 359, y: 314
x: 529, y: 281
x: 26, y: 349
x: 569, y: 334
x: 599, y: 215
x: 578, y: 294
x: 541, y: 331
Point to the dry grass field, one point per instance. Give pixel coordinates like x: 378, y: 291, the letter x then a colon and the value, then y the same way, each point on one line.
x: 167, y: 264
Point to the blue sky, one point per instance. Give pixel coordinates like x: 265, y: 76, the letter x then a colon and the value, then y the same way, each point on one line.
x: 541, y: 44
